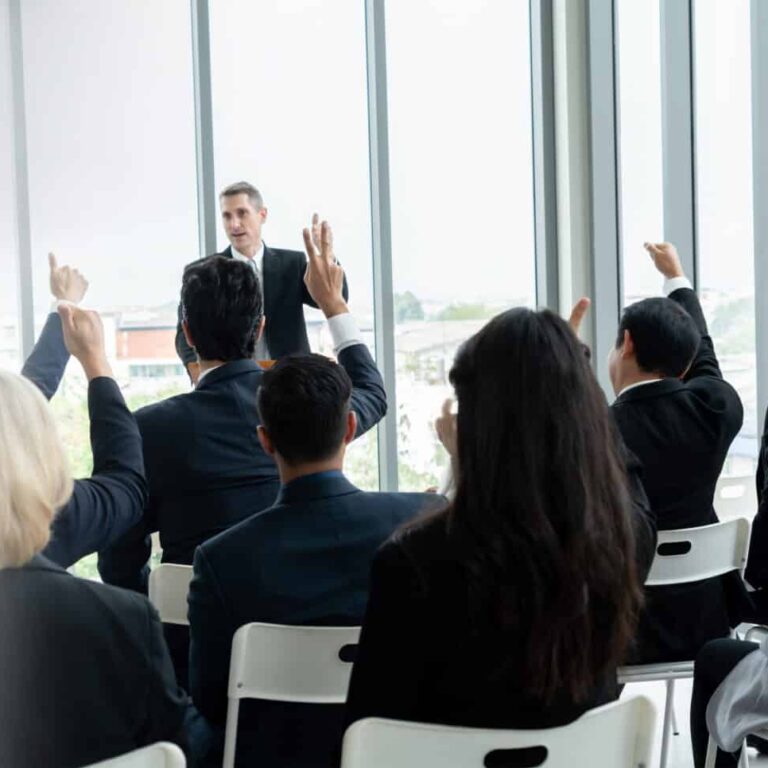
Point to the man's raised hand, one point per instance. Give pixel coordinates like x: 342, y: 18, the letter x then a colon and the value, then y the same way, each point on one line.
x: 84, y: 338
x: 324, y: 278
x: 666, y: 259
x: 67, y: 284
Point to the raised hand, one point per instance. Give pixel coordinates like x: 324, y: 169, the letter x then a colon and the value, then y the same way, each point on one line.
x: 67, y: 284
x: 324, y: 278
x: 84, y: 338
x: 577, y: 313
x: 445, y: 426
x: 665, y: 258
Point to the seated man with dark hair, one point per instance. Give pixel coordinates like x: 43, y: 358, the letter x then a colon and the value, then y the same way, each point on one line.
x: 303, y: 561
x: 678, y: 416
x: 205, y: 467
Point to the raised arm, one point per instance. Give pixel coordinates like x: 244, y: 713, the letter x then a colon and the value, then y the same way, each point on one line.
x: 104, y: 506
x: 678, y: 288
x: 46, y: 363
x: 324, y: 279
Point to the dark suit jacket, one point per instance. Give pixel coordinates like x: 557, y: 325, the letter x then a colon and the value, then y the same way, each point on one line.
x: 85, y: 672
x: 757, y: 563
x: 205, y: 467
x: 284, y: 295
x: 305, y: 560
x: 422, y: 658
x: 103, y: 507
x: 681, y: 431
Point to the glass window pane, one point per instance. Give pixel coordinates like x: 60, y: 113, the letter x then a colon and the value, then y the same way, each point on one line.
x: 290, y: 116
x: 724, y: 197
x: 110, y: 121
x: 9, y: 336
x: 638, y: 33
x: 462, y: 195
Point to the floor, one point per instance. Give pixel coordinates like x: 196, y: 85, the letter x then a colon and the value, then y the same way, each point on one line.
x: 680, y: 749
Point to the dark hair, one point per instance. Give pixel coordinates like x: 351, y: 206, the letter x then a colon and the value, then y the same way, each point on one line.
x: 664, y: 335
x: 244, y: 188
x: 221, y: 302
x: 541, y: 520
x: 303, y: 404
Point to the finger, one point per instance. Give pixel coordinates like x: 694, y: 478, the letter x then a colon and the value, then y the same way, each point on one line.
x: 327, y: 240
x: 578, y: 312
x: 52, y: 263
x: 447, y: 405
x: 316, y: 229
x: 309, y: 246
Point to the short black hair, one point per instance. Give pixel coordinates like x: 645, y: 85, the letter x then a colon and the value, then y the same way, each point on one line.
x: 303, y: 403
x: 664, y: 335
x: 221, y: 303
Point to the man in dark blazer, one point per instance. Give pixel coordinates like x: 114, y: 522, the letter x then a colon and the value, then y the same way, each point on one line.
x: 107, y: 504
x: 678, y: 416
x: 205, y: 467
x: 303, y: 561
x: 280, y: 272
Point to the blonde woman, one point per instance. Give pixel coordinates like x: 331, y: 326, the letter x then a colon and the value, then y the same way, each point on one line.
x: 84, y: 669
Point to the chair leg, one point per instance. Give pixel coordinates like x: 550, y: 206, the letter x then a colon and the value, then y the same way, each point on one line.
x: 675, y: 729
x: 668, y: 710
x: 711, y: 754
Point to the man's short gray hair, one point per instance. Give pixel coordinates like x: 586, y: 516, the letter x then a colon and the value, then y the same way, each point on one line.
x: 244, y: 188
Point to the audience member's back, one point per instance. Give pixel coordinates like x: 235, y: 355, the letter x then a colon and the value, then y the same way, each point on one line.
x: 84, y: 669
x: 304, y: 561
x: 513, y: 607
x: 678, y: 415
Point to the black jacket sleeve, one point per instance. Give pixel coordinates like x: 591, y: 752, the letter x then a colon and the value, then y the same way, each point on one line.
x: 705, y: 362
x: 643, y: 517
x: 386, y: 677
x: 112, y: 500
x: 166, y: 703
x: 210, y: 642
x: 48, y: 359
x: 369, y: 399
x: 757, y: 562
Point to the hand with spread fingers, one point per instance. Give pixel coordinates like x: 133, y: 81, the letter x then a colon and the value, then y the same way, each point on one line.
x: 324, y: 277
x: 666, y: 259
x: 84, y: 338
x: 67, y: 284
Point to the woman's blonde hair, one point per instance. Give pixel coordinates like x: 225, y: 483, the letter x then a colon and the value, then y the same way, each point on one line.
x: 35, y: 479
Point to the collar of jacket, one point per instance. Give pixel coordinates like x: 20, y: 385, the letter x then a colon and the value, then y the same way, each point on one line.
x: 319, y: 485
x: 228, y: 371
x: 38, y: 562
x: 656, y: 389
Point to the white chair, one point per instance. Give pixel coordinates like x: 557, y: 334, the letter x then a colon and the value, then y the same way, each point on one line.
x: 168, y: 589
x: 697, y: 554
x: 618, y: 735
x: 735, y: 496
x: 160, y: 755
x: 712, y: 754
x: 275, y: 662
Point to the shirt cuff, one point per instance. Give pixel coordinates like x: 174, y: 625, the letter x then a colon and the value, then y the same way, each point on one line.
x: 672, y: 284
x: 344, y: 331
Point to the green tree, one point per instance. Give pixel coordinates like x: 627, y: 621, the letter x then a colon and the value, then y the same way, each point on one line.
x: 407, y: 307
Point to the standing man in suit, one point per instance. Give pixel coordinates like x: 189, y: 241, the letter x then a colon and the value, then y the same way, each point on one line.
x: 303, y: 561
x: 678, y: 416
x: 280, y: 273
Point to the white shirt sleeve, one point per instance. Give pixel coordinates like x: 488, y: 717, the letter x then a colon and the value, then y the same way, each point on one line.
x: 672, y: 284
x: 344, y: 331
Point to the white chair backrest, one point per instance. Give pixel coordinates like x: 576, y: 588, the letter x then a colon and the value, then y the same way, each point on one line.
x: 735, y: 496
x: 160, y: 755
x: 693, y: 554
x: 168, y: 589
x: 618, y: 735
x: 311, y: 665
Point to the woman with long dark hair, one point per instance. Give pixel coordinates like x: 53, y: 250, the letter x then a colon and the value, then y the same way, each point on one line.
x: 514, y: 606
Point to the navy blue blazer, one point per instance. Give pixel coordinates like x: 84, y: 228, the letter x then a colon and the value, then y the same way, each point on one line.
x: 85, y: 672
x: 205, y: 466
x: 681, y: 432
x: 284, y: 296
x: 103, y: 507
x: 306, y: 560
